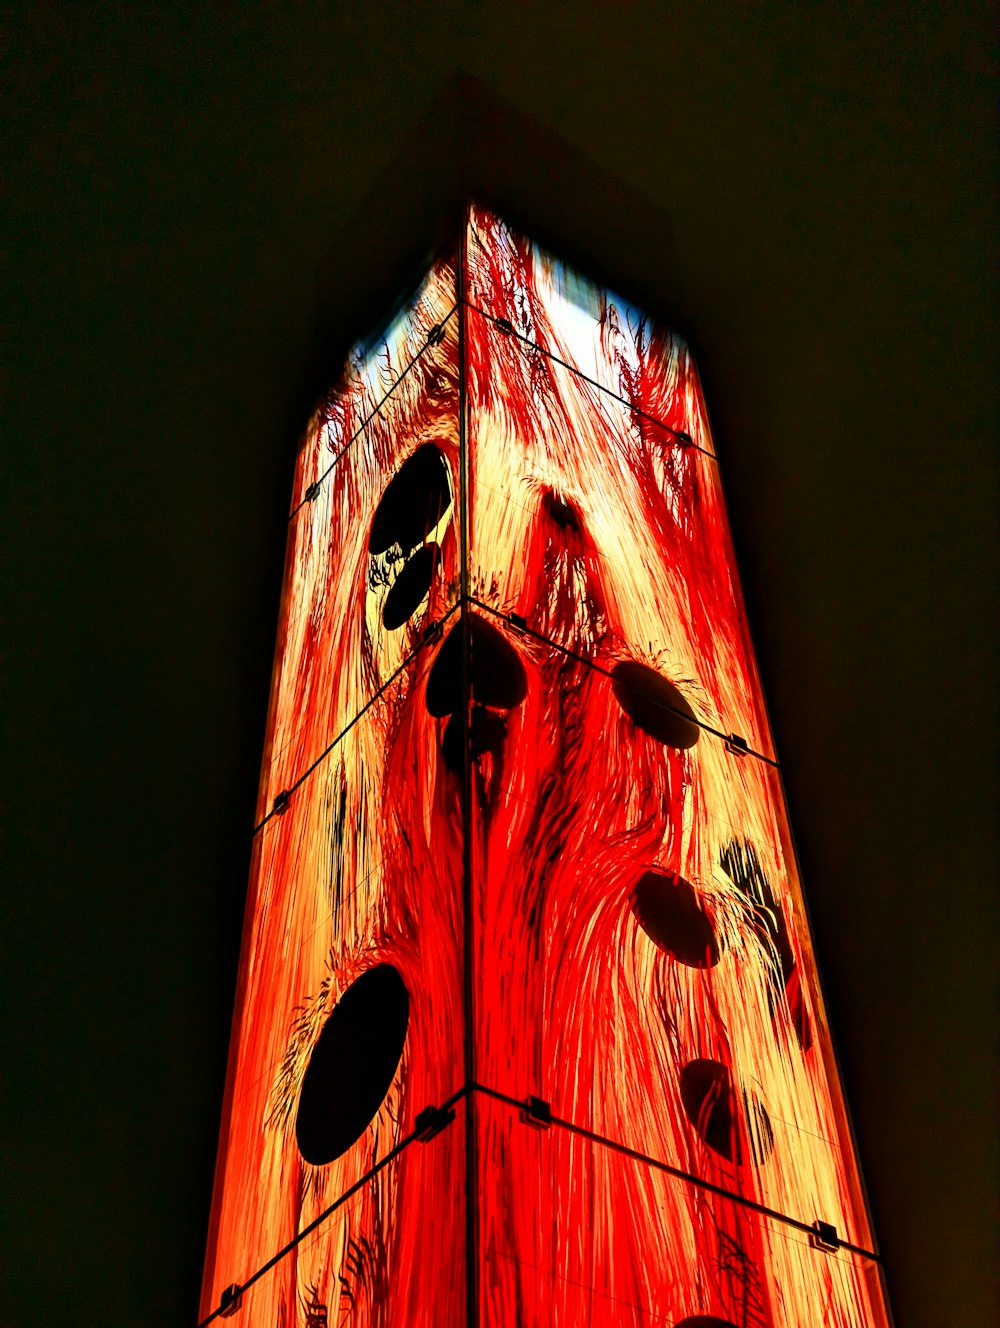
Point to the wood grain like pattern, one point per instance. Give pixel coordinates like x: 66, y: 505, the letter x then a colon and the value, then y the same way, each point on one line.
x: 640, y: 953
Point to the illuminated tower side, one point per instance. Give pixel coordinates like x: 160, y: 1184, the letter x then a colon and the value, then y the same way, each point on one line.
x: 528, y: 1029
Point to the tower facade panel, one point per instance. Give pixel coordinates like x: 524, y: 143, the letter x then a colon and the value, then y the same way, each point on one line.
x: 529, y: 1029
x: 349, y: 1015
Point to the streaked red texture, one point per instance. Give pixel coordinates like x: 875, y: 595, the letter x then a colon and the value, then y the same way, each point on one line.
x: 345, y: 881
x: 363, y: 867
x: 575, y: 1004
x: 376, y: 379
x: 653, y: 517
x: 574, y: 1233
x: 332, y: 653
x: 605, y: 532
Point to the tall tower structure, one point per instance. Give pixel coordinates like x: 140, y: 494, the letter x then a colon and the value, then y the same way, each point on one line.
x: 528, y: 1028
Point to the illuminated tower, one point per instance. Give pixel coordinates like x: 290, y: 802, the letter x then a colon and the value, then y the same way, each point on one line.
x: 528, y: 1029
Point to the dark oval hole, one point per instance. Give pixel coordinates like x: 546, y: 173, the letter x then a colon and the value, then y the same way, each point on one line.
x: 352, y: 1065
x: 653, y: 704
x: 564, y: 514
x: 669, y: 912
x: 414, y: 502
x: 410, y: 588
x: 704, y: 1321
x: 487, y: 733
x: 709, y: 1103
x: 741, y: 864
x: 496, y: 673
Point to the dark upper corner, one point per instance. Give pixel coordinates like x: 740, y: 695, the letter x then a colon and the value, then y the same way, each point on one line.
x: 470, y: 144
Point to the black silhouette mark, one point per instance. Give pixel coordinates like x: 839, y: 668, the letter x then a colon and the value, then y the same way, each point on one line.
x: 414, y: 502
x: 352, y: 1065
x: 410, y: 588
x: 740, y: 863
x: 670, y: 913
x: 316, y: 1310
x: 496, y: 674
x: 653, y: 704
x: 487, y: 732
x: 703, y: 1321
x: 710, y: 1105
x: 563, y: 513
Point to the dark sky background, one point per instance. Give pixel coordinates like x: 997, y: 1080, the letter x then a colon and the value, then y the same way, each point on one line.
x: 202, y: 204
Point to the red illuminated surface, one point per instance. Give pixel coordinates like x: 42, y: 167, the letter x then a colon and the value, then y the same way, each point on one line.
x: 583, y: 825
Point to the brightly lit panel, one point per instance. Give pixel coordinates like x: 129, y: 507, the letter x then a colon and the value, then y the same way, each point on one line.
x: 523, y: 858
x: 642, y: 961
x: 352, y: 946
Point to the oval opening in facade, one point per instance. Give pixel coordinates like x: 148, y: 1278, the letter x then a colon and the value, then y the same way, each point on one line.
x: 710, y: 1104
x: 669, y: 911
x: 352, y: 1065
x: 654, y: 704
x: 414, y: 502
x: 410, y: 588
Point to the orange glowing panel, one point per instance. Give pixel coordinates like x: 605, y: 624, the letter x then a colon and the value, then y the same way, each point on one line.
x: 642, y: 962
x: 528, y: 1027
x: 352, y: 949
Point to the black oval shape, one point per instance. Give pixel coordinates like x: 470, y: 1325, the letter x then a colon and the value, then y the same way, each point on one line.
x: 496, y: 674
x: 411, y: 587
x: 563, y: 513
x: 707, y: 1096
x: 741, y: 864
x: 653, y: 704
x: 352, y: 1065
x: 703, y: 1321
x: 414, y: 502
x: 487, y: 733
x: 709, y: 1102
x: 669, y: 912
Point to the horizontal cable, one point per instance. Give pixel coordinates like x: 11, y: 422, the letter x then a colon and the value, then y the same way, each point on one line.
x: 602, y: 1141
x: 507, y: 327
x: 371, y: 415
x: 430, y: 633
x: 310, y: 1227
x: 775, y: 1214
x: 519, y: 625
